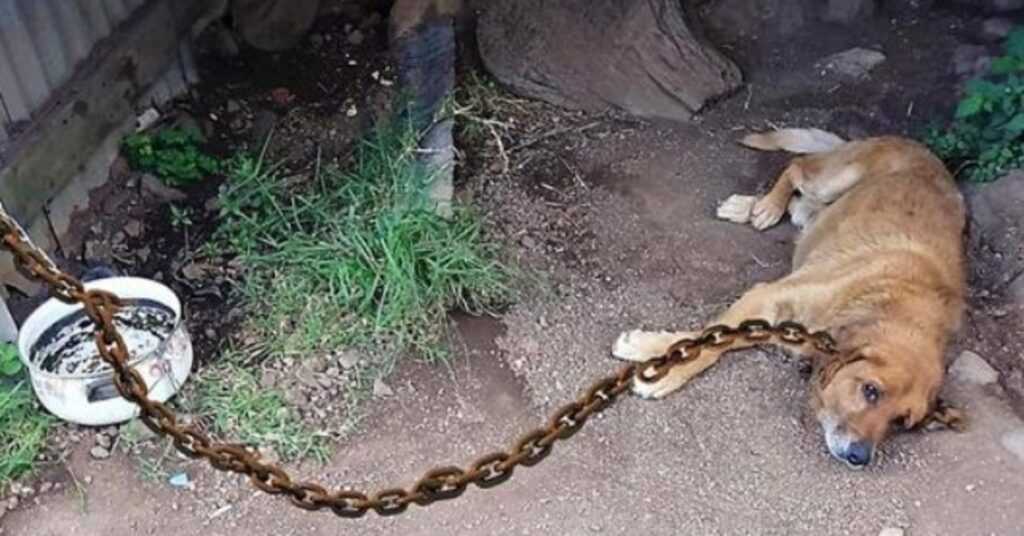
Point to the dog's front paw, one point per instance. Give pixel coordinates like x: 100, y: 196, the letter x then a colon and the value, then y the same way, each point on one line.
x: 651, y: 391
x: 766, y: 212
x: 640, y: 345
x: 737, y: 208
x: 637, y: 345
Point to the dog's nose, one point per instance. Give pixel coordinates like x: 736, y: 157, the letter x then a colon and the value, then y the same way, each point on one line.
x: 859, y: 453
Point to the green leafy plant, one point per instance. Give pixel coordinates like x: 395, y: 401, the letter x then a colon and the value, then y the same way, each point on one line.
x: 986, y: 137
x: 174, y: 155
x: 181, y: 217
x: 10, y: 363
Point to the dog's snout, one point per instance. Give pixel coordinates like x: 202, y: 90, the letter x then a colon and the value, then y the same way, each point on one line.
x: 859, y: 453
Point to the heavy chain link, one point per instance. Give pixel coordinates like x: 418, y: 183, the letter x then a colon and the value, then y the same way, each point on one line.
x: 439, y: 484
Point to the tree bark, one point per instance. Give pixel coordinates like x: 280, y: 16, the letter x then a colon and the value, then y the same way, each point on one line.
x: 640, y: 56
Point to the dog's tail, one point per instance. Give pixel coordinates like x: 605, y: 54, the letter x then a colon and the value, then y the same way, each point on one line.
x: 794, y: 140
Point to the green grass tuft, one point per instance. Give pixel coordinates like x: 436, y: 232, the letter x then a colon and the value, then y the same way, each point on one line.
x: 356, y: 257
x: 23, y: 429
x: 247, y: 412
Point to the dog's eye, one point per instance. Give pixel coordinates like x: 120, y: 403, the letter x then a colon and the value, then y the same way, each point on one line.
x: 871, y: 392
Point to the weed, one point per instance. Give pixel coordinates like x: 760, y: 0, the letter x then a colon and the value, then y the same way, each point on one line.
x: 986, y: 136
x: 23, y: 430
x: 181, y: 217
x: 172, y: 154
x: 242, y: 409
x: 356, y: 257
x: 10, y: 363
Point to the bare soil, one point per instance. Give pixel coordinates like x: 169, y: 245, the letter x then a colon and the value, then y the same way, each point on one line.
x: 612, y: 221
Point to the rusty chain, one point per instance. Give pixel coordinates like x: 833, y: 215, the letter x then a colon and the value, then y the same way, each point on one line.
x: 439, y: 484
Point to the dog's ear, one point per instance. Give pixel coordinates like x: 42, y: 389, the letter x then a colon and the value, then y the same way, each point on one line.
x: 828, y: 371
x: 943, y: 416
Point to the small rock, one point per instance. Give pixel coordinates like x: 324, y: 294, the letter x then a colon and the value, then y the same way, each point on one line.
x: 891, y: 531
x: 996, y: 29
x: 193, y: 271
x: 103, y: 440
x: 1014, y: 442
x: 295, y: 398
x: 356, y: 37
x: 268, y: 454
x: 970, y: 61
x: 971, y: 369
x: 180, y: 480
x: 233, y: 107
x: 118, y: 238
x: 970, y: 487
x: 528, y: 242
x: 269, y: 379
x: 333, y: 372
x: 349, y: 359
x: 306, y: 377
x: 143, y: 254
x: 316, y: 363
x: 352, y: 111
x: 45, y: 487
x: 133, y: 228
x: 325, y: 382
x: 12, y: 502
x: 137, y: 431
x: 381, y: 389
x: 99, y: 453
x: 854, y: 63
x: 152, y: 186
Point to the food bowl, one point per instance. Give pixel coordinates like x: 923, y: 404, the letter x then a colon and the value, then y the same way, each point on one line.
x: 57, y: 345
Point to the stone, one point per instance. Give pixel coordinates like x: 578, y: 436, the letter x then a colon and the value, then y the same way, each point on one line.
x: 995, y: 29
x: 295, y: 398
x: 891, y: 531
x: 136, y: 431
x: 103, y: 440
x: 971, y: 369
x: 640, y: 56
x: 99, y: 453
x: 269, y: 378
x: 133, y: 228
x: 381, y: 389
x: 316, y: 363
x: 856, y: 62
x: 970, y: 61
x: 356, y: 37
x: 151, y: 185
x: 848, y: 11
x: 233, y: 106
x: 1013, y: 441
x: 349, y: 359
x: 273, y: 25
x: 997, y: 229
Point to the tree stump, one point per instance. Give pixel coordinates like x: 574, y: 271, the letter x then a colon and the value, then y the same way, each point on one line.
x: 640, y: 56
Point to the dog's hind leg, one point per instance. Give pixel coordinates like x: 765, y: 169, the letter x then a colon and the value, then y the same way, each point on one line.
x: 768, y: 210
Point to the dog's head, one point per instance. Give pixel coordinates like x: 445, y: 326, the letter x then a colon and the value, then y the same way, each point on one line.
x: 861, y: 394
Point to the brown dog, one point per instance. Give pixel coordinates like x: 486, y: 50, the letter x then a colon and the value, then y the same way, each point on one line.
x: 879, y: 264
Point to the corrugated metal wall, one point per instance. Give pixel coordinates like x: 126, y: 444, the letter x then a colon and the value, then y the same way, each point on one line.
x: 42, y: 43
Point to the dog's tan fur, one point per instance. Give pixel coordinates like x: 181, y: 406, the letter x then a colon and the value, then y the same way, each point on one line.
x: 879, y: 264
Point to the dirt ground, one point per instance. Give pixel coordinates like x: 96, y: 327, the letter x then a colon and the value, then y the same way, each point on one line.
x: 616, y: 218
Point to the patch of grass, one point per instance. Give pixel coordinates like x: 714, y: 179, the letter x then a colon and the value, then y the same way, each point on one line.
x: 172, y: 154
x: 23, y: 429
x: 244, y: 411
x: 356, y: 257
x: 986, y: 137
